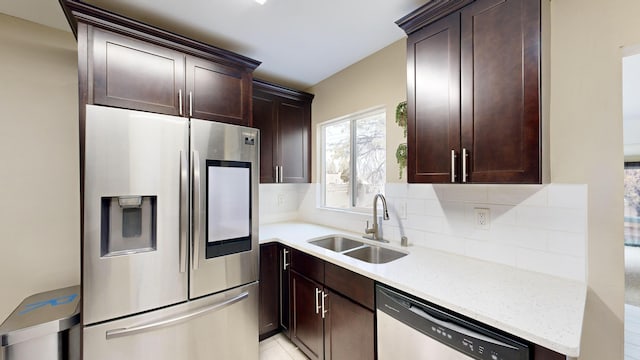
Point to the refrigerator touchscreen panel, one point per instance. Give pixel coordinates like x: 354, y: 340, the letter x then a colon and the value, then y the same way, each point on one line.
x: 228, y: 207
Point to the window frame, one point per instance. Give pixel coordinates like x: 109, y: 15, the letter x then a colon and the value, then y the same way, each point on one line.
x: 352, y: 118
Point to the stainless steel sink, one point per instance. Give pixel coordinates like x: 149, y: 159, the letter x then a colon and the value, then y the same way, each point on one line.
x: 375, y: 254
x: 337, y: 243
x: 358, y: 249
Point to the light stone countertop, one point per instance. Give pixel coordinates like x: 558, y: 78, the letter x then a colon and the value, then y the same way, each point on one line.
x: 542, y: 309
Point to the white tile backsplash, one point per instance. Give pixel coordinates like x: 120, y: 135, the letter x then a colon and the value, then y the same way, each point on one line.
x: 281, y: 202
x: 531, y: 195
x: 550, y: 218
x: 567, y: 196
x: 566, y: 243
x: 541, y: 228
x: 491, y: 251
x: 460, y: 193
x: 566, y: 266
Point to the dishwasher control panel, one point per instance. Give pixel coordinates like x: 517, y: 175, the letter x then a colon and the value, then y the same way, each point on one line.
x: 450, y: 330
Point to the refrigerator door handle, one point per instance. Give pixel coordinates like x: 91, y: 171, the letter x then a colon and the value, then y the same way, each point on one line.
x: 184, y: 211
x: 195, y: 240
x: 190, y: 103
x: 116, y: 333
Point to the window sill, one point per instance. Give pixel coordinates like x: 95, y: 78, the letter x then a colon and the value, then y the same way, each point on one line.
x: 354, y: 211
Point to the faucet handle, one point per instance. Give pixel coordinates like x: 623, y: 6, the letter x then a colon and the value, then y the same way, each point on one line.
x: 368, y: 230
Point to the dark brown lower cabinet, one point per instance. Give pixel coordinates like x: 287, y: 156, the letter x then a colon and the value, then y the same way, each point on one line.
x: 269, y: 296
x: 348, y: 329
x: 541, y: 353
x: 332, y: 310
x: 306, y: 310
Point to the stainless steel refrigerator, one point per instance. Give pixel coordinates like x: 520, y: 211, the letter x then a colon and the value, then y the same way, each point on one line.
x: 170, y: 243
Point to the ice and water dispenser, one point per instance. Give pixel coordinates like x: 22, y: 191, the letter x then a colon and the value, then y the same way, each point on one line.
x: 128, y: 225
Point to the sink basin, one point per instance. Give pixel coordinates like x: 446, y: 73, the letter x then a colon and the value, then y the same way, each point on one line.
x: 375, y: 254
x: 337, y: 243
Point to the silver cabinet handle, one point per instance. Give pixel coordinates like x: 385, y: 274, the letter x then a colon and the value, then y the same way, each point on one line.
x: 464, y: 164
x: 324, y: 312
x: 453, y: 166
x: 285, y: 264
x: 197, y: 210
x: 180, y: 101
x: 184, y: 211
x: 317, y: 305
x: 277, y: 174
x: 115, y: 333
x: 190, y: 103
x: 281, y: 177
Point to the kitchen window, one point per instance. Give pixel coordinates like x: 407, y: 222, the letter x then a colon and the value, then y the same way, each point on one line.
x: 353, y: 159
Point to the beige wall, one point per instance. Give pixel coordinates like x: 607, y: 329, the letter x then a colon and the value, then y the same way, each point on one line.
x: 586, y: 136
x: 586, y: 139
x: 380, y: 79
x: 39, y: 191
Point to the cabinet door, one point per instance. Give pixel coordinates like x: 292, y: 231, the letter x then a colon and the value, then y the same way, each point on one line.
x: 134, y: 74
x: 264, y: 118
x: 307, y: 322
x: 349, y: 329
x: 269, y: 290
x: 285, y: 293
x: 433, y: 101
x: 500, y: 53
x: 217, y: 92
x: 294, y: 125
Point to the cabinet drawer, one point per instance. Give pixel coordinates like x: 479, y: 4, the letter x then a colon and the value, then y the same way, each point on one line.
x: 307, y: 265
x: 354, y: 286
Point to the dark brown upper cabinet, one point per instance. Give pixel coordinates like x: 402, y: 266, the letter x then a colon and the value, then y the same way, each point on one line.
x: 128, y: 64
x: 218, y: 92
x: 134, y: 74
x: 284, y: 118
x: 474, y: 92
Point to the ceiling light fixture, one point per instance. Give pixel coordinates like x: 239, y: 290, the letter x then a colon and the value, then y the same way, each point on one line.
x: 261, y: 2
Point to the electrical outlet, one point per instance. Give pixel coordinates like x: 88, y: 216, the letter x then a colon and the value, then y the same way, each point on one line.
x: 280, y: 199
x: 482, y: 218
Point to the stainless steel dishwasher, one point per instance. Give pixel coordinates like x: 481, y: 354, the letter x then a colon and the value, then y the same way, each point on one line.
x: 411, y: 329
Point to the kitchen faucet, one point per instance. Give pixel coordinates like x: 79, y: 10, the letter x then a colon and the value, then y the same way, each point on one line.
x: 375, y: 229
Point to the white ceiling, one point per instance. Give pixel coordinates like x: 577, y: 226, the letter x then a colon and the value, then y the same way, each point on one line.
x: 300, y: 42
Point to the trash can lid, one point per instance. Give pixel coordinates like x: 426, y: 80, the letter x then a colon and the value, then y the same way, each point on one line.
x: 42, y: 314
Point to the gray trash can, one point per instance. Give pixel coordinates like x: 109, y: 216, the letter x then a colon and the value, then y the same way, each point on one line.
x: 45, y: 326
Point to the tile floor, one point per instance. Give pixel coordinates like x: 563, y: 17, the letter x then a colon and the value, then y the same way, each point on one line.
x: 631, y: 332
x: 278, y: 347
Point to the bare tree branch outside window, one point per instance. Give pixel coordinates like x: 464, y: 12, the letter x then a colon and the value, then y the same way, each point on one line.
x: 364, y: 135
